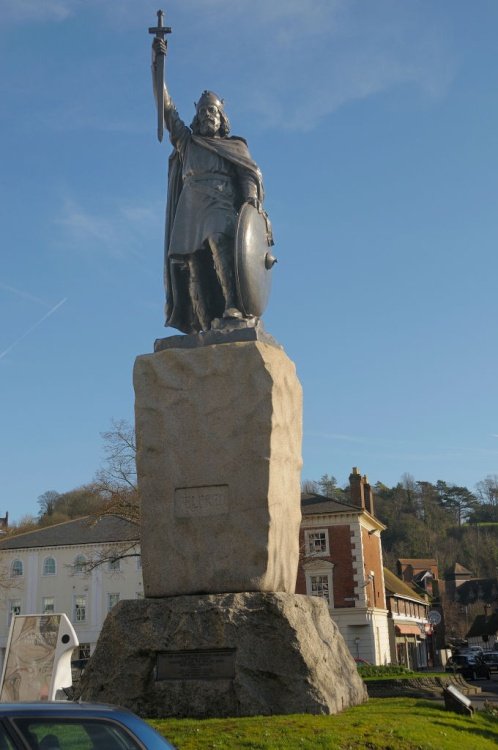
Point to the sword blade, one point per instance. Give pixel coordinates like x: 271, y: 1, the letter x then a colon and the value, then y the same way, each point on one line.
x: 160, y: 97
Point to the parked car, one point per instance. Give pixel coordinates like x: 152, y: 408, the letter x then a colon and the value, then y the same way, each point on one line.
x: 61, y: 724
x: 470, y: 666
x: 491, y: 659
x: 469, y: 650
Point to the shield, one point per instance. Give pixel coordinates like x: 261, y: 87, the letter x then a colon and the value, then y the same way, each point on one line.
x: 253, y: 260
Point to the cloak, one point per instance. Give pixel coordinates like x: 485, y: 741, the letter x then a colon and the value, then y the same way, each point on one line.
x: 179, y: 313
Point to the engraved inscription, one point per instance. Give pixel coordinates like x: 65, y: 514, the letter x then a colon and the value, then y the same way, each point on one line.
x: 212, y: 664
x: 195, y: 502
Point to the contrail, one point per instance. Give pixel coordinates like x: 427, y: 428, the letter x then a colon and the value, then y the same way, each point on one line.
x: 32, y: 328
x: 21, y: 293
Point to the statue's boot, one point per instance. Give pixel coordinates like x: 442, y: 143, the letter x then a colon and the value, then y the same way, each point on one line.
x: 223, y: 264
x: 197, y: 300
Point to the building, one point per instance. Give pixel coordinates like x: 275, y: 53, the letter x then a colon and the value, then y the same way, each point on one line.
x: 341, y: 561
x: 60, y: 568
x: 455, y: 578
x: 421, y: 574
x: 483, y: 632
x: 409, y: 628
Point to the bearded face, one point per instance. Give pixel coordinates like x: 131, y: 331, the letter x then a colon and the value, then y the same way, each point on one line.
x: 209, y: 119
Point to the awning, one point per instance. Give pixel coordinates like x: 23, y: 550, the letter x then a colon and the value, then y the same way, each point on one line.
x: 407, y: 630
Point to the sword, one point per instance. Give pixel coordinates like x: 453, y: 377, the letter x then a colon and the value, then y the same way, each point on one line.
x: 160, y: 31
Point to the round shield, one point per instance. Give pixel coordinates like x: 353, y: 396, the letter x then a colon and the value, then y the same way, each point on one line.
x: 253, y: 261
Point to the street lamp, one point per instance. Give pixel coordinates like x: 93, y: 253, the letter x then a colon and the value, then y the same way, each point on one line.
x: 357, y: 644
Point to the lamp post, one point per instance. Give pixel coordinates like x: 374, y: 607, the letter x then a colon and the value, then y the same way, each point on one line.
x: 357, y: 644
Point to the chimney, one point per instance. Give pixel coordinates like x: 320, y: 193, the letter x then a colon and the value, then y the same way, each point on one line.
x: 356, y: 483
x: 369, y: 496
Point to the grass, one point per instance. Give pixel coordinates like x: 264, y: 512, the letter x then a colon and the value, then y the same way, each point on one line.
x: 369, y: 672
x: 380, y: 724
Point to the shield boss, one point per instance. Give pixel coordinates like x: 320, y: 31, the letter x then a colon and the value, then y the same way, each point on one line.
x: 252, y: 274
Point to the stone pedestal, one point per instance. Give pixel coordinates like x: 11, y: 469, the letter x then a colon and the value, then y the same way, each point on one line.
x: 218, y: 430
x: 223, y: 655
x: 218, y: 458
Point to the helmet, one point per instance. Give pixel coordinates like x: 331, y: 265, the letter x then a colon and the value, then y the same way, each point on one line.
x: 207, y: 98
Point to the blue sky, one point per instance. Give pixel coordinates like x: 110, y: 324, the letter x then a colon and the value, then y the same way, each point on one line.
x: 375, y: 125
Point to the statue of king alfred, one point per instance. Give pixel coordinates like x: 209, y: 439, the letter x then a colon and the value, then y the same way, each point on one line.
x: 217, y: 258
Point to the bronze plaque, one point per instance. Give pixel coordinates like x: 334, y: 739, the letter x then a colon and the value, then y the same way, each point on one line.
x: 208, y: 664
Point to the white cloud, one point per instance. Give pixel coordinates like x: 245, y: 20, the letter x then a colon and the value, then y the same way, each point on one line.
x: 289, y: 63
x: 18, y: 11
x: 118, y: 230
x: 298, y: 62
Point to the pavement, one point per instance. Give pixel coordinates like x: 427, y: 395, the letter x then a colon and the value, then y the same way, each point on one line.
x: 488, y: 694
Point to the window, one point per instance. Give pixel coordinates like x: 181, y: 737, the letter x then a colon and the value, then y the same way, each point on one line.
x: 82, y: 732
x: 319, y: 580
x: 112, y: 600
x: 79, y: 565
x: 317, y: 542
x: 84, y: 651
x: 48, y: 605
x: 114, y: 565
x: 79, y: 614
x: 14, y: 608
x: 320, y: 587
x: 5, y: 742
x: 48, y: 566
x: 16, y: 569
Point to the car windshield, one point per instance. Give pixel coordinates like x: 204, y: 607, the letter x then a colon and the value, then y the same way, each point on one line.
x: 75, y: 734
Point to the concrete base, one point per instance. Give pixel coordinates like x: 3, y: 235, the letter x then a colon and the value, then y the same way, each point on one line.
x: 223, y: 655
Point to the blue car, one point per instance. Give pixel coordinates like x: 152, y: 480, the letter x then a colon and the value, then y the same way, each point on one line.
x: 75, y: 726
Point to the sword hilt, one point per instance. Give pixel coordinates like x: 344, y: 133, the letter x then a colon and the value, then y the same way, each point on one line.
x: 160, y: 30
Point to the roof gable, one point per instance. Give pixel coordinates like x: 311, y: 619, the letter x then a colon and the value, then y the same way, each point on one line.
x: 395, y: 585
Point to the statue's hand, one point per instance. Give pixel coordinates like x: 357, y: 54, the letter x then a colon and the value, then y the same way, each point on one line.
x: 254, y: 202
x: 158, y: 46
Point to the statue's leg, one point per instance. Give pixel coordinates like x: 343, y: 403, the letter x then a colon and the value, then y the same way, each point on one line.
x: 221, y: 248
x: 196, y: 294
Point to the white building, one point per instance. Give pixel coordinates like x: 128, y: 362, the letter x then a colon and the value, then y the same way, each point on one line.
x: 53, y: 570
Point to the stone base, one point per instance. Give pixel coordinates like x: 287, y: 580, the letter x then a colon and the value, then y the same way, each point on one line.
x: 219, y: 465
x: 221, y: 655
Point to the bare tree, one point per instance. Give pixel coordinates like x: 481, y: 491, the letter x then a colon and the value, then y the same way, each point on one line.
x: 116, y: 484
x: 48, y: 502
x: 487, y: 489
x: 117, y: 479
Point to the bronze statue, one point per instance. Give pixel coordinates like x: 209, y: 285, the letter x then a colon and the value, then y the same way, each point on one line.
x: 217, y: 259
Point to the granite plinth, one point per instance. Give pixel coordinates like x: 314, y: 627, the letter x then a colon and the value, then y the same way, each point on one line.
x: 218, y: 460
x: 223, y: 655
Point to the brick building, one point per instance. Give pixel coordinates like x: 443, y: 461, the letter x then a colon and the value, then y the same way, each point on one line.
x: 409, y: 628
x: 341, y: 561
